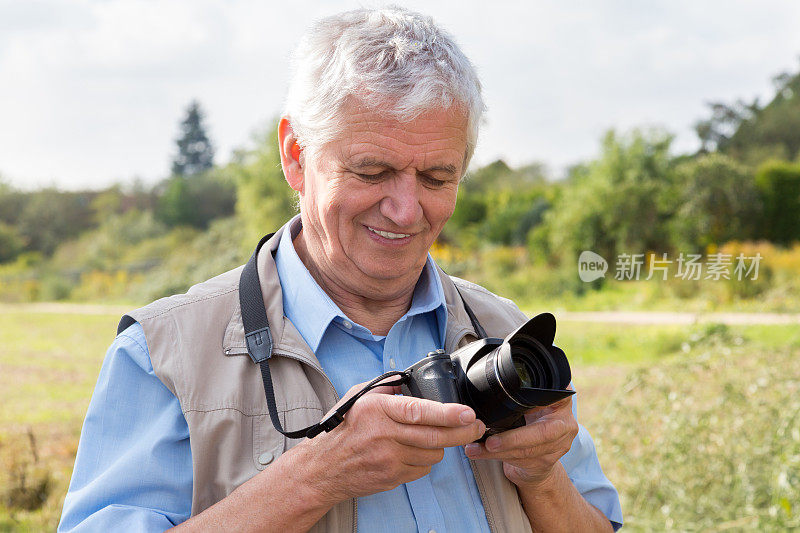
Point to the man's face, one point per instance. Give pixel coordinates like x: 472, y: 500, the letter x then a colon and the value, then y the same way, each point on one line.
x: 374, y: 200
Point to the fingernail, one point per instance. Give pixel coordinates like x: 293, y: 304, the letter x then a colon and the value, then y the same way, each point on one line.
x: 467, y: 417
x: 482, y: 426
x: 492, y: 443
x: 472, y: 449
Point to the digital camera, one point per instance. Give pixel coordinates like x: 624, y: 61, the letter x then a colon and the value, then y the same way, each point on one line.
x: 500, y: 379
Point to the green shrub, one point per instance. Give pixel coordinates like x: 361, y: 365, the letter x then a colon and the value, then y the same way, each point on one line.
x: 708, y: 442
x: 11, y: 243
x: 718, y: 202
x: 55, y: 288
x: 26, y: 483
x: 196, y: 200
x: 779, y: 185
x: 264, y: 201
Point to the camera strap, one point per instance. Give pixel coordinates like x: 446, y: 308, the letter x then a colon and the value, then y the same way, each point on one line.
x: 472, y: 318
x: 259, y: 346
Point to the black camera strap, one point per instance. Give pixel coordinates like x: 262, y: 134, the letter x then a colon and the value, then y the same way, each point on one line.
x: 472, y: 318
x: 259, y: 345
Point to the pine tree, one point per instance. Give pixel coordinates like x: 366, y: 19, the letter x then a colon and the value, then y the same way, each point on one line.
x: 195, y: 151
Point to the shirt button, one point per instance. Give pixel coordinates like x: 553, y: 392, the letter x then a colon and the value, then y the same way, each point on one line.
x: 431, y: 531
x: 392, y: 365
x: 265, y: 458
x: 347, y: 324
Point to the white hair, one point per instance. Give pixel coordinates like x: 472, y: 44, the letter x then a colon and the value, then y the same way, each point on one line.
x: 391, y: 60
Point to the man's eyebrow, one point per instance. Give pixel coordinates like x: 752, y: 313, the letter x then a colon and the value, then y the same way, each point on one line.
x: 449, y: 169
x: 370, y: 162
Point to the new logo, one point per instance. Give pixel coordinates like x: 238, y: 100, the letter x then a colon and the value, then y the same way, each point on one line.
x: 591, y: 266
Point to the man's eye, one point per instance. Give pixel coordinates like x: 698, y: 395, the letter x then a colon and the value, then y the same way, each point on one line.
x: 433, y: 182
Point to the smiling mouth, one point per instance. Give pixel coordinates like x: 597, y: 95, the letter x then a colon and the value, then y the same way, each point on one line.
x: 389, y: 234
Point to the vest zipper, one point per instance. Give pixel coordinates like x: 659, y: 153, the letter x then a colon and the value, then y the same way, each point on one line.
x: 478, y: 480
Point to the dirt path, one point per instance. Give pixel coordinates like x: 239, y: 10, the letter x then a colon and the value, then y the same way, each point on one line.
x: 617, y: 317
x: 66, y: 308
x: 666, y: 317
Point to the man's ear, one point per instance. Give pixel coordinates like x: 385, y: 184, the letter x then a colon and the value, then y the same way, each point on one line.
x: 291, y: 158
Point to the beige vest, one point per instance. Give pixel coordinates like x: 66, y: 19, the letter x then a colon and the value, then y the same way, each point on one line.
x: 197, y: 347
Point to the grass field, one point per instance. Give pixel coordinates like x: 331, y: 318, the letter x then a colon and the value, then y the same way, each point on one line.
x: 48, y: 368
x: 698, y: 427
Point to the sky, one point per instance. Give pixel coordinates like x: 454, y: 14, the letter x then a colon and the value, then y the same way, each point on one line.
x: 91, y: 92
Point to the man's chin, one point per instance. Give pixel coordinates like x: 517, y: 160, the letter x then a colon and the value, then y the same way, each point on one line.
x: 389, y: 272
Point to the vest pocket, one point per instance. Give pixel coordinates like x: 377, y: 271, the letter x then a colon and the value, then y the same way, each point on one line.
x: 268, y: 443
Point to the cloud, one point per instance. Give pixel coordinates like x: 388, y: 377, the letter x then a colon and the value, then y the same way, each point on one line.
x: 92, y: 91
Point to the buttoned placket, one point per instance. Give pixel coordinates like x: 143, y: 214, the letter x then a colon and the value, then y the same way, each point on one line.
x: 420, y: 492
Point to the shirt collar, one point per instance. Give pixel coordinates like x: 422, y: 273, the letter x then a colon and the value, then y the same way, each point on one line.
x: 311, y: 310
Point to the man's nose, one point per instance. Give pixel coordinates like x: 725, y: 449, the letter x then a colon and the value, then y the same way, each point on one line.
x: 401, y: 204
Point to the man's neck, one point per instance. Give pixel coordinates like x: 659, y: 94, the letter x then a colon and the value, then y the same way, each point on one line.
x: 377, y: 307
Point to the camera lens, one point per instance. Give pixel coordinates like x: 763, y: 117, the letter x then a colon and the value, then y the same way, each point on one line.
x: 523, y: 372
x: 504, y: 378
x: 532, y: 365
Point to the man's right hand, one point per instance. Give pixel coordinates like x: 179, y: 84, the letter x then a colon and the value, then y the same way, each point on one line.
x: 385, y: 440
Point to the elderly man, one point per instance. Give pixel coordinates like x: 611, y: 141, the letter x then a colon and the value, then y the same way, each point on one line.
x: 381, y: 122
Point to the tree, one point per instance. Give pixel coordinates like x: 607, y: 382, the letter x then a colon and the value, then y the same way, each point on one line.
x: 195, y: 151
x: 499, y: 203
x: 774, y: 130
x: 486, y: 178
x: 198, y: 200
x: 12, y: 203
x: 778, y: 183
x: 264, y: 201
x: 718, y: 203
x: 715, y: 133
x: 10, y: 243
x: 50, y: 217
x: 511, y: 215
x: 174, y: 205
x: 194, y: 196
x: 751, y: 133
x: 618, y: 203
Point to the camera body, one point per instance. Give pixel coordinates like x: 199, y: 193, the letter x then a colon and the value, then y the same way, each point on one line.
x: 500, y: 379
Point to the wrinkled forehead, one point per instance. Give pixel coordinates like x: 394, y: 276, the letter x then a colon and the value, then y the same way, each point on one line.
x: 433, y: 137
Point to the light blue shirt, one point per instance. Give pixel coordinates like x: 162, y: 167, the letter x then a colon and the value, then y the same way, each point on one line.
x: 447, y: 499
x: 133, y: 470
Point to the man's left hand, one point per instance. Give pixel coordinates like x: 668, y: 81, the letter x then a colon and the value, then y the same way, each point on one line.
x: 530, y: 453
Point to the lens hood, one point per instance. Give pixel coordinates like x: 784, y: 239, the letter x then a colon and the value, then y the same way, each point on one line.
x: 491, y: 369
